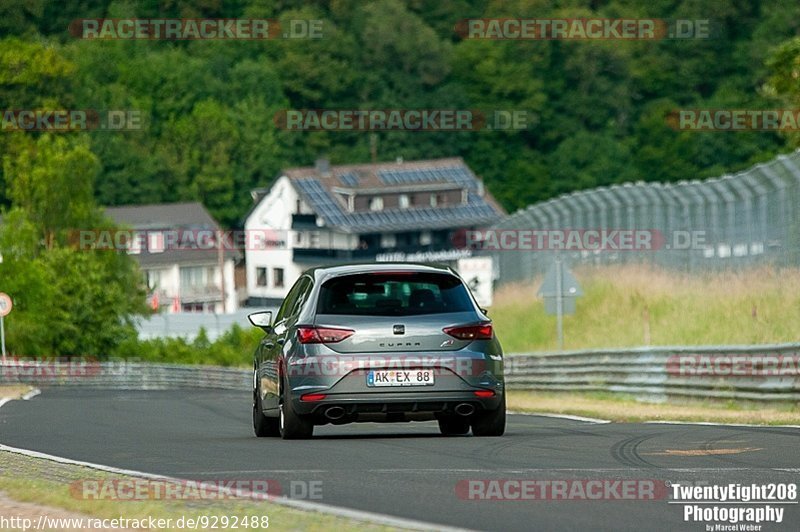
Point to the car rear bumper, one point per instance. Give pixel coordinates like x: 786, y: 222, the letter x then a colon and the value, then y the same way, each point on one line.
x: 397, y: 402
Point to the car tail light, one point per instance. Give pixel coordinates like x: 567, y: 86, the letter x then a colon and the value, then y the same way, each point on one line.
x: 322, y: 335
x: 484, y: 393
x: 309, y: 397
x: 480, y: 331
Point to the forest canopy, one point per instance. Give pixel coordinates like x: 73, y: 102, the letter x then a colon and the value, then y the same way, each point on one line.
x: 208, y: 106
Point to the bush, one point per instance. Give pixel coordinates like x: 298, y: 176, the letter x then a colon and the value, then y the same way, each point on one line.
x: 233, y: 348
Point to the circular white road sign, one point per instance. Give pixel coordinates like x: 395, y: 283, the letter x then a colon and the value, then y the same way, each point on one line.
x: 5, y: 304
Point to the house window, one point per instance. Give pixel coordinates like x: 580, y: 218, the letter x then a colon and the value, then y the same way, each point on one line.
x: 376, y: 204
x: 153, y: 279
x: 404, y: 201
x: 196, y: 277
x: 388, y: 240
x: 134, y: 245
x: 261, y: 277
x: 277, y: 277
x: 438, y: 199
x: 155, y: 242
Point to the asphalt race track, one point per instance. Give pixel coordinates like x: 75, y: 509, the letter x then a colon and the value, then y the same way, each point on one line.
x: 408, y: 470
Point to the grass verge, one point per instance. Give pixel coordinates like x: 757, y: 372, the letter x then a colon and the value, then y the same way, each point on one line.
x: 629, y: 306
x: 625, y: 408
x: 47, y: 484
x: 13, y: 391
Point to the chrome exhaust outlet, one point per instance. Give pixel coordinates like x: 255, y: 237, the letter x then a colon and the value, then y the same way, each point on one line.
x: 335, y: 413
x: 464, y: 409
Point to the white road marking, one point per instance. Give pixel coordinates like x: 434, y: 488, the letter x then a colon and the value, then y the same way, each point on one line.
x: 710, y: 424
x: 31, y: 394
x: 561, y: 416
x: 358, y: 515
x: 498, y: 471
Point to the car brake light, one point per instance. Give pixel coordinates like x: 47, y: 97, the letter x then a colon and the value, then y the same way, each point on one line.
x: 322, y: 335
x: 484, y: 393
x: 313, y: 397
x: 481, y: 331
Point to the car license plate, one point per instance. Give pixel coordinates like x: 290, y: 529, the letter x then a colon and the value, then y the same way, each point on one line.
x: 400, y: 377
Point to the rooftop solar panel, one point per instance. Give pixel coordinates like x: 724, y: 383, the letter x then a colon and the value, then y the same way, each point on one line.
x: 349, y: 179
x: 476, y: 211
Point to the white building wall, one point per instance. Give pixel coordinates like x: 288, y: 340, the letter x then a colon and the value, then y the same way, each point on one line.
x: 169, y: 287
x: 274, y: 212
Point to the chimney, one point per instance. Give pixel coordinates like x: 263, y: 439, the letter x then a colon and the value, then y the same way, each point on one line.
x: 399, y: 160
x: 323, y: 167
x: 481, y: 191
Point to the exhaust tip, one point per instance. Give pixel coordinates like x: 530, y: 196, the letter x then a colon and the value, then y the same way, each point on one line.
x: 464, y: 409
x: 335, y: 413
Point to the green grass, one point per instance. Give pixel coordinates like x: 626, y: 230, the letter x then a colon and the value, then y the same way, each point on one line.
x: 625, y: 408
x: 46, y: 483
x: 751, y: 307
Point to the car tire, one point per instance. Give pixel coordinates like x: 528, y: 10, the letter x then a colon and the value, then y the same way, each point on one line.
x: 291, y: 425
x: 263, y: 426
x: 453, y: 426
x: 490, y: 422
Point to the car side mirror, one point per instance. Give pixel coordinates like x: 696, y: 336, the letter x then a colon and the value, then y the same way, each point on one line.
x: 261, y: 319
x: 485, y: 311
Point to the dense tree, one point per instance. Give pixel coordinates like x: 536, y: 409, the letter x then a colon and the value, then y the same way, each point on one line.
x: 601, y: 107
x: 69, y: 301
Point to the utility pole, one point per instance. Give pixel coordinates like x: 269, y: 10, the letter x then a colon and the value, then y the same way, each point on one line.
x: 221, y: 265
x: 559, y: 305
x: 373, y: 147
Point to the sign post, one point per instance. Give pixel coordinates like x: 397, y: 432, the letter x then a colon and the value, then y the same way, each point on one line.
x: 478, y: 272
x: 559, y: 304
x: 5, y: 307
x: 559, y: 290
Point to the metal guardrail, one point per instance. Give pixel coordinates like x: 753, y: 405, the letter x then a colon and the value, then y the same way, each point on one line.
x: 757, y: 372
x: 122, y: 375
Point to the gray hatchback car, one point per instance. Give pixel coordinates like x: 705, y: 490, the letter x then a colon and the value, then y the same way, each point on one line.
x: 384, y: 342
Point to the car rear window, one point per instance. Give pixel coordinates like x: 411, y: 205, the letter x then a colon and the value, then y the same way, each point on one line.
x: 393, y: 294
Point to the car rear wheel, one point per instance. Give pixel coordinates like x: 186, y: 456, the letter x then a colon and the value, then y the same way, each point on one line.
x: 453, y: 426
x: 490, y: 422
x: 291, y: 425
x: 263, y: 426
